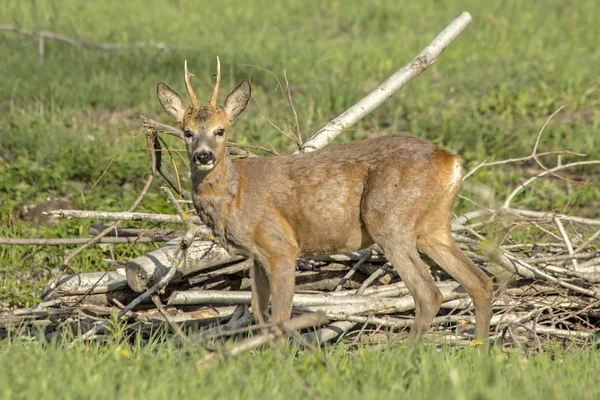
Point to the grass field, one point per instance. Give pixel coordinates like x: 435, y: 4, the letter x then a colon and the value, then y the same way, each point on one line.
x: 158, y: 371
x: 64, y: 120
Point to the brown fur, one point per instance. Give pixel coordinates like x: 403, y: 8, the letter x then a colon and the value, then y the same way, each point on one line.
x: 397, y: 191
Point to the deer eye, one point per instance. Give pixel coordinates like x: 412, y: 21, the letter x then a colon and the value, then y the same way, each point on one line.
x: 188, y: 133
x: 220, y: 132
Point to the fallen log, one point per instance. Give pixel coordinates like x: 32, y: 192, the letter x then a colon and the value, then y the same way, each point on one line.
x: 144, y: 271
x: 93, y: 288
x: 90, y: 283
x: 351, y: 304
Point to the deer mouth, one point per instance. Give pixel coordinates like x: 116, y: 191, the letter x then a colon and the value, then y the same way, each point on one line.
x: 205, y: 167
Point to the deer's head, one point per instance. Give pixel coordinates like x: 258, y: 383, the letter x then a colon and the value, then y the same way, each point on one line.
x: 204, y: 127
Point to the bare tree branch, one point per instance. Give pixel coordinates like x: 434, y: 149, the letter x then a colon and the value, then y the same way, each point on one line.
x: 418, y: 65
x: 57, y: 37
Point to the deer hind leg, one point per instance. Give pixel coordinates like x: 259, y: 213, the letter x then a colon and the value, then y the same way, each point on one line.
x: 403, y: 254
x: 261, y: 291
x: 440, y: 247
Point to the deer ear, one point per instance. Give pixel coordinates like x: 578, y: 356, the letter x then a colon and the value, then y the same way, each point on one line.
x: 171, y: 102
x: 237, y: 100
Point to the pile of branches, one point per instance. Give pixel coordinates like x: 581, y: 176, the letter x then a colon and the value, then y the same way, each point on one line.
x: 545, y: 291
x: 546, y: 266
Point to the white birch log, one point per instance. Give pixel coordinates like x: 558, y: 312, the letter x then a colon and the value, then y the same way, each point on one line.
x: 397, y: 289
x: 418, y: 65
x: 120, y: 215
x: 90, y: 283
x: 194, y: 297
x: 93, y: 288
x: 354, y: 305
x: 146, y: 270
x: 383, y: 305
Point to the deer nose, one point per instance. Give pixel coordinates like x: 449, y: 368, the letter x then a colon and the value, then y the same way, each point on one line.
x: 203, y: 157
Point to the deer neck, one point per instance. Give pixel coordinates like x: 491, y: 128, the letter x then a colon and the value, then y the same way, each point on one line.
x: 213, y: 193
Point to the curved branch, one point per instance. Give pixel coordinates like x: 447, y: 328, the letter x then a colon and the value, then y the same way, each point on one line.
x: 551, y: 171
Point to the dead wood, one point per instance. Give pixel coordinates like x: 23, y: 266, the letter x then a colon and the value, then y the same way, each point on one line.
x: 144, y: 271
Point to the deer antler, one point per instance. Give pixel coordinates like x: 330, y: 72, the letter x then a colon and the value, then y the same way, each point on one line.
x: 188, y: 85
x: 213, y: 96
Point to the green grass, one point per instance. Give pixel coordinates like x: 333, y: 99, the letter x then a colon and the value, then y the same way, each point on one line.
x: 157, y: 370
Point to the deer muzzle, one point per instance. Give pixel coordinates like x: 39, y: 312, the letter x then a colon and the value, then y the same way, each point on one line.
x: 204, y: 159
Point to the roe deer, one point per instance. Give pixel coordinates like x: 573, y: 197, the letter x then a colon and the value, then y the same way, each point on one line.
x: 397, y: 191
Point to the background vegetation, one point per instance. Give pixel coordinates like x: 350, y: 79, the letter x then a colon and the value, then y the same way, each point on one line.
x: 64, y: 120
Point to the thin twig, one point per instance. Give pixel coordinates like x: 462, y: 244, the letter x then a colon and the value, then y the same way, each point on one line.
x: 546, y: 276
x: 47, y: 35
x: 281, y: 90
x: 284, y: 133
x: 350, y: 273
x: 568, y: 243
x: 296, y: 124
x: 378, y: 272
x: 253, y: 146
x: 160, y: 127
x: 175, y: 183
x: 72, y: 241
x: 587, y: 242
x: 541, y: 260
x: 121, y: 216
x: 277, y: 331
x: 559, y: 167
x: 533, y: 156
x: 184, y: 217
x: 94, y: 229
x: 107, y: 168
x: 176, y: 328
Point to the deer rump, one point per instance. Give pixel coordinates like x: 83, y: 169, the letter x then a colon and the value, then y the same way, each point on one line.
x: 337, y: 199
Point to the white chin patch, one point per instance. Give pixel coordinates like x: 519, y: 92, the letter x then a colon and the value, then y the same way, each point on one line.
x: 205, y: 167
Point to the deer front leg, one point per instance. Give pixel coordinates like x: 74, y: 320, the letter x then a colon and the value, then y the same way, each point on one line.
x: 261, y: 291
x: 280, y: 270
